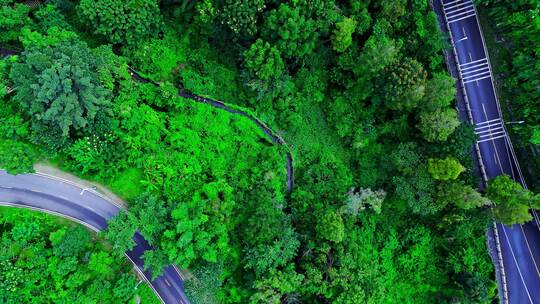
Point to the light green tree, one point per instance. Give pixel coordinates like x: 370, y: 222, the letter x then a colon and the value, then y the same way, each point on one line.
x: 440, y: 92
x: 330, y: 226
x: 378, y: 52
x: 439, y: 124
x: 445, y: 168
x: 359, y: 200
x: 461, y: 195
x: 342, y: 36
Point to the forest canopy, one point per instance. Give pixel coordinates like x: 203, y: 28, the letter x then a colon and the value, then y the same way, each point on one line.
x: 278, y: 152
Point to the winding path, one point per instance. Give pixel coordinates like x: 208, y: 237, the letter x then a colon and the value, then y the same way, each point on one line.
x: 64, y: 198
x: 274, y: 137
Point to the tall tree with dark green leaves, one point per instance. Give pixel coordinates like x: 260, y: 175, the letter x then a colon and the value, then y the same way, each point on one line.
x: 59, y: 89
x: 293, y: 33
x: 13, y: 17
x: 403, y: 85
x: 122, y: 22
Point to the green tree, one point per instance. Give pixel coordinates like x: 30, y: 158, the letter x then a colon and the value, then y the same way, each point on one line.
x: 151, y: 214
x: 69, y: 242
x: 241, y: 16
x: 194, y: 236
x: 438, y: 125
x: 440, y: 92
x: 13, y: 17
x: 265, y: 257
x: 403, y: 85
x: 264, y: 61
x: 378, y: 52
x: 120, y: 232
x: 405, y: 158
x: 342, y: 36
x: 290, y: 31
x: 330, y: 226
x: 45, y: 260
x: 444, y: 168
x: 204, y: 286
x: 122, y: 22
x: 416, y: 191
x: 17, y: 157
x: 49, y: 15
x: 58, y: 87
x: 511, y: 200
x: 357, y: 201
x: 461, y: 195
x: 156, y: 260
x: 393, y: 9
x: 535, y: 137
x: 101, y: 263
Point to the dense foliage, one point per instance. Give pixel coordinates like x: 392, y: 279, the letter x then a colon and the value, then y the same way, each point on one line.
x: 121, y: 21
x: 384, y: 207
x: 69, y: 97
x: 47, y: 260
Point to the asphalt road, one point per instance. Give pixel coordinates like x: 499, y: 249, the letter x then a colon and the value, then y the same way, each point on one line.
x: 17, y: 191
x: 520, y: 244
x: 60, y: 197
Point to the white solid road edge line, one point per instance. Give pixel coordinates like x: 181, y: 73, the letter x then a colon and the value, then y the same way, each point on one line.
x: 7, y: 204
x: 95, y: 229
x: 482, y: 168
x: 517, y: 264
x: 53, y: 177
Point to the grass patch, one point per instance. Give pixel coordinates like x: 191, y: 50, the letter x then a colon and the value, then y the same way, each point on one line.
x: 127, y: 184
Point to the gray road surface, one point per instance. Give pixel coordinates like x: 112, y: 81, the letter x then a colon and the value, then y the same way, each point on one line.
x: 61, y: 197
x: 520, y: 244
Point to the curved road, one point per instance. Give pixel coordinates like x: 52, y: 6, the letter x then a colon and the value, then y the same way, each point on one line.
x: 519, y: 244
x: 64, y: 198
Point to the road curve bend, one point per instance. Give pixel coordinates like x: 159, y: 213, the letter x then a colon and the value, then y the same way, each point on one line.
x: 64, y: 198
